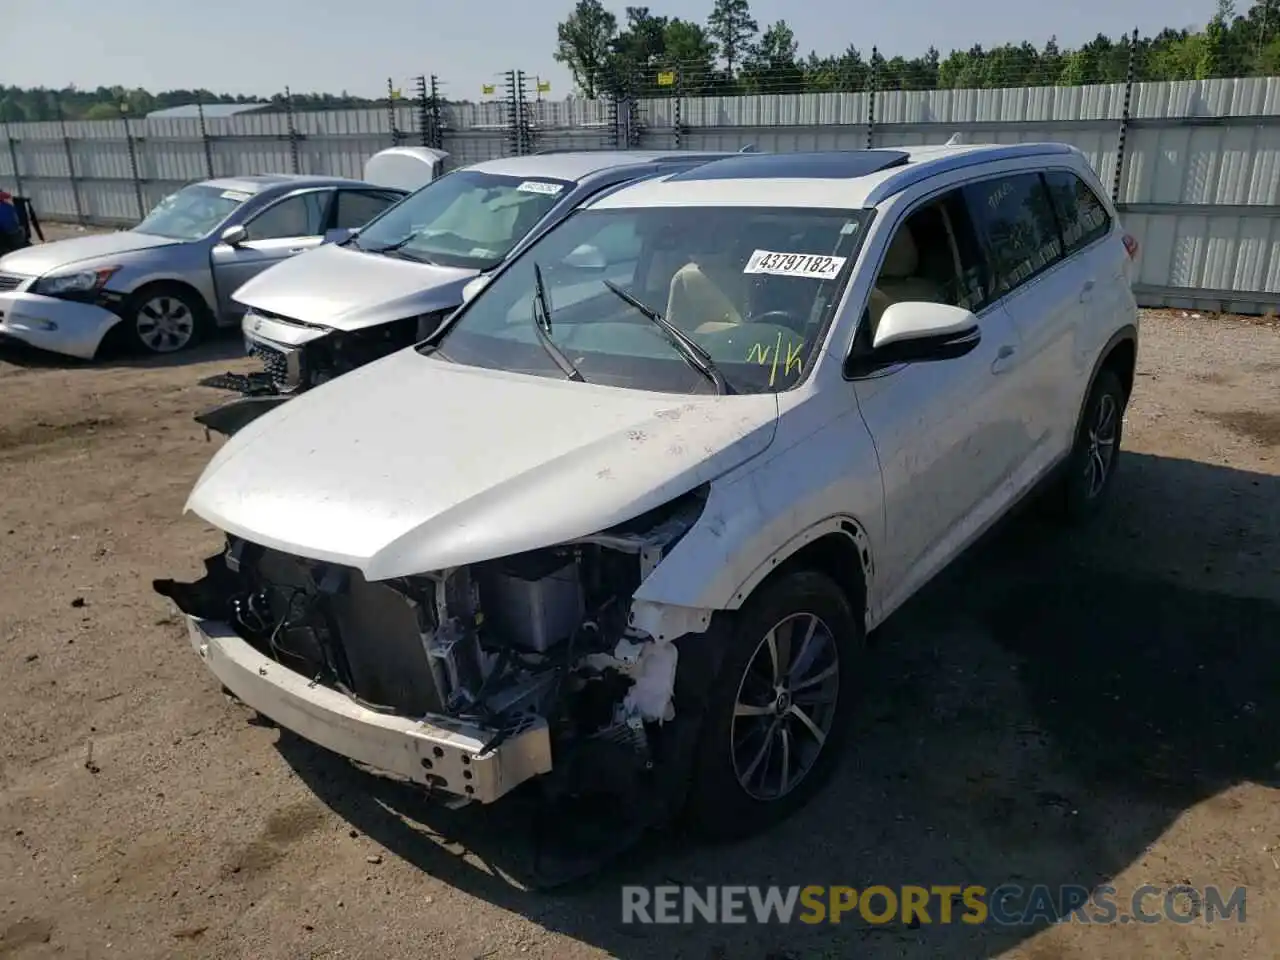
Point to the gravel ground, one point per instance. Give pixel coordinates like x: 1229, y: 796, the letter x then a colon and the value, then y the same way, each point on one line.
x: 1093, y: 708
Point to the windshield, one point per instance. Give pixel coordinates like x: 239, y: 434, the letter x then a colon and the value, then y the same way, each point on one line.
x: 192, y: 212
x: 465, y: 219
x: 753, y: 288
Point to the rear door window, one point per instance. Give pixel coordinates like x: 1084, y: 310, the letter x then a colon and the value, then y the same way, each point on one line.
x: 1083, y: 215
x: 1016, y: 220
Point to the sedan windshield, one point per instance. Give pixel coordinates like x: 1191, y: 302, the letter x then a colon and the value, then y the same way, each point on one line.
x: 465, y: 219
x: 677, y: 299
x: 192, y: 212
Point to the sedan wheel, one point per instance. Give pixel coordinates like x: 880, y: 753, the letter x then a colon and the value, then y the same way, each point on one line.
x: 163, y: 319
x: 165, y: 324
x: 779, y: 708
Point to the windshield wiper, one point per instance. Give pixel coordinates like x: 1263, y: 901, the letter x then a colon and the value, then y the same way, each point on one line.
x: 395, y: 247
x: 688, y: 349
x: 542, y: 327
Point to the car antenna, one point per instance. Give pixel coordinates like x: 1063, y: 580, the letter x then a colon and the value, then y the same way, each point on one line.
x: 749, y: 148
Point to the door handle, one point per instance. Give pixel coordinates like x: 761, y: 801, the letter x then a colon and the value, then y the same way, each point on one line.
x: 1004, y: 359
x: 297, y: 249
x: 1086, y: 291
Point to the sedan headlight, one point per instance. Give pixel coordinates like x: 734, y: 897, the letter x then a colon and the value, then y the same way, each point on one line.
x: 85, y: 283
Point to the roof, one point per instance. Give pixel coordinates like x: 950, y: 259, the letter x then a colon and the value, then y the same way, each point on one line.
x: 577, y: 165
x: 212, y: 111
x: 849, y: 180
x: 261, y: 182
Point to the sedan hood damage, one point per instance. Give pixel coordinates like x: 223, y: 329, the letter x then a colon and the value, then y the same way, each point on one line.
x: 414, y: 464
x: 346, y: 289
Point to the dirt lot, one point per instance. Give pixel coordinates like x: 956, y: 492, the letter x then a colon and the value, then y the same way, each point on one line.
x: 1100, y: 708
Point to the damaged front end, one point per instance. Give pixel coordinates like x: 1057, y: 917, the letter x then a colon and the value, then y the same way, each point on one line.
x: 469, y: 681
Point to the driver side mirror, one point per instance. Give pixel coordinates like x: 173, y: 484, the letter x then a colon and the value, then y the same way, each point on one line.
x: 915, y: 332
x: 234, y: 236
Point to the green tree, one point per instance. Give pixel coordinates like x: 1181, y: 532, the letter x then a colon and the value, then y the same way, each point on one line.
x: 771, y: 65
x: 584, y: 44
x: 733, y: 28
x: 690, y: 50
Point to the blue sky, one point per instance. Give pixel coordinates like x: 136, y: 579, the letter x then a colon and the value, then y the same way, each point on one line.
x: 259, y: 46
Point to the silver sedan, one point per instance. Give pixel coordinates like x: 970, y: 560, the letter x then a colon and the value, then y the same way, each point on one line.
x: 169, y: 280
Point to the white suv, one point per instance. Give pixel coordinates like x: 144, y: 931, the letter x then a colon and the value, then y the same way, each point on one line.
x: 623, y: 524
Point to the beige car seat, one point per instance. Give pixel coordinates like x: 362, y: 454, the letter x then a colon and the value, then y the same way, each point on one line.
x: 898, y: 281
x: 701, y: 295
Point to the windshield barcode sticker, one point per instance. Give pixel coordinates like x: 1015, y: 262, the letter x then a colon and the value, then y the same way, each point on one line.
x: 237, y: 195
x: 540, y: 186
x: 814, y: 266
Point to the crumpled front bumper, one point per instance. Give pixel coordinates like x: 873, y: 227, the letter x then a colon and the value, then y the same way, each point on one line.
x: 439, y: 752
x: 61, y: 326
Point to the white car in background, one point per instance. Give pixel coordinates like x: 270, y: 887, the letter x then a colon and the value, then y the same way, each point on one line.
x: 626, y: 536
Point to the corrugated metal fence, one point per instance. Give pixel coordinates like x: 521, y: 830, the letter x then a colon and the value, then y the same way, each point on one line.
x: 1195, y: 165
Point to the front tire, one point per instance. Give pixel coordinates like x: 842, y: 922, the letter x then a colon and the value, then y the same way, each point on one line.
x: 779, y: 709
x: 163, y: 319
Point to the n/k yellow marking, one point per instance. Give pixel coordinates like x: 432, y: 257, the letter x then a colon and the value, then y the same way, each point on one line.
x: 769, y: 356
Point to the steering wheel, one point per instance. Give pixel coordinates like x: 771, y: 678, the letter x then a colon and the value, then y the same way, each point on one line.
x: 782, y: 318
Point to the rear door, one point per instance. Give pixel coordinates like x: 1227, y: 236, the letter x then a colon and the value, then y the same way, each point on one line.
x: 1040, y: 290
x: 1096, y: 249
x: 285, y: 228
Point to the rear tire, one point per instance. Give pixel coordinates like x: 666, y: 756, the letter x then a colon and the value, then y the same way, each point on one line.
x: 164, y: 318
x: 779, y: 709
x: 1086, y: 479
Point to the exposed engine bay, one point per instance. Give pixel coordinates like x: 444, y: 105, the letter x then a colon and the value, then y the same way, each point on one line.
x: 542, y: 637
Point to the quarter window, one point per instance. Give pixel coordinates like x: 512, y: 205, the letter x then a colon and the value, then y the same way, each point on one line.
x: 298, y: 216
x: 1017, y: 220
x: 1083, y: 215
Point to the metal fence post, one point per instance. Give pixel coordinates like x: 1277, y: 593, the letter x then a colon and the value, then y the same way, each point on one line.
x: 424, y: 113
x: 871, y: 97
x: 437, y: 115
x: 391, y: 112
x: 71, y: 163
x: 204, y: 138
x: 677, y: 115
x: 13, y: 158
x: 1124, y: 117
x: 293, y: 131
x: 133, y: 161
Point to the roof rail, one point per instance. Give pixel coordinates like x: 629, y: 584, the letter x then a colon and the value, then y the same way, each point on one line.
x: 921, y: 170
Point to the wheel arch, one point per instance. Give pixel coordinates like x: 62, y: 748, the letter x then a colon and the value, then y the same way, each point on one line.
x: 838, y: 547
x: 186, y: 286
x: 1120, y: 354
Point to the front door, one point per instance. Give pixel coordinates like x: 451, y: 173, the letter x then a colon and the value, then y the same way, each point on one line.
x: 948, y: 433
x: 282, y: 230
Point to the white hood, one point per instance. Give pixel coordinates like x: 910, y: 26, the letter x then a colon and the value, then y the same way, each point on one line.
x: 36, y: 261
x: 345, y: 289
x: 412, y: 464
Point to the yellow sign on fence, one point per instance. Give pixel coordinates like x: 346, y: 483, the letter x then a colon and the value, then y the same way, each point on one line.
x: 487, y: 88
x: 544, y: 86
x: 667, y: 78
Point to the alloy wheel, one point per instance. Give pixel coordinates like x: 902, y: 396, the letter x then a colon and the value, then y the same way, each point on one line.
x: 1101, y: 445
x: 165, y: 324
x: 785, y: 706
